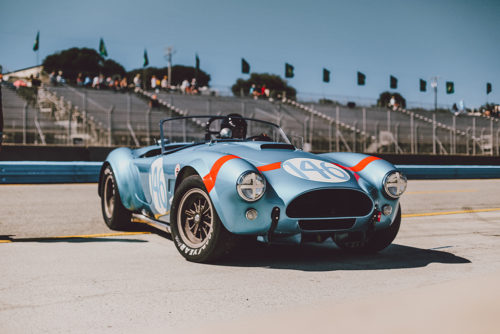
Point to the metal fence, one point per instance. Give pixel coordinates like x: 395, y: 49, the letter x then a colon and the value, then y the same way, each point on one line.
x: 75, y: 116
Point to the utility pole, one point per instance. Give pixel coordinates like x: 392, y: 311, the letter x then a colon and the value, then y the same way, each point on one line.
x: 169, y: 51
x: 434, y: 84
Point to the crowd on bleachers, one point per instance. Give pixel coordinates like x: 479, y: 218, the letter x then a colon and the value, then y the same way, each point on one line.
x: 118, y: 83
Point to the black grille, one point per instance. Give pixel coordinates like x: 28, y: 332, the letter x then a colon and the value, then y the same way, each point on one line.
x: 330, y: 203
x: 326, y: 225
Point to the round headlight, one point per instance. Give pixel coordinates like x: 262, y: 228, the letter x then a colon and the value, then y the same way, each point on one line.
x: 251, y: 186
x: 394, y: 184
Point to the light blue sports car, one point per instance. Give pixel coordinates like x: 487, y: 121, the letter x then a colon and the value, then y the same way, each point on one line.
x: 212, y: 179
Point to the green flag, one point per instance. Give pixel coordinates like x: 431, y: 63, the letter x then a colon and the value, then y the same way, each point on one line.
x: 393, y: 82
x: 450, y: 87
x: 289, y: 71
x: 326, y: 75
x: 102, y: 48
x: 423, y: 85
x: 361, y: 79
x: 37, y: 42
x: 146, y: 60
x: 245, y: 66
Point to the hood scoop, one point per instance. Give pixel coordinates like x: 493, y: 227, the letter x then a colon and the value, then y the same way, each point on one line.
x: 277, y: 147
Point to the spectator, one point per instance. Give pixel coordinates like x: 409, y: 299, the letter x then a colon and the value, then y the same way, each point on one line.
x: 185, y: 87
x: 60, y: 79
x: 109, y: 82
x: 252, y: 90
x: 137, y: 82
x: 87, y: 82
x: 52, y: 78
x: 164, y: 83
x: 263, y: 90
x: 116, y: 84
x: 158, y: 83
x: 123, y: 83
x: 255, y: 92
x: 153, y: 82
x: 79, y: 80
x: 95, y: 83
x: 392, y: 102
x: 194, y: 86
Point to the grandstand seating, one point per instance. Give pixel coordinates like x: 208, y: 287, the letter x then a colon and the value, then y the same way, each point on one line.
x: 115, y: 118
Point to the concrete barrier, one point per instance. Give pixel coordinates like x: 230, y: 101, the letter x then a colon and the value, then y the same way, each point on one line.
x: 17, y: 172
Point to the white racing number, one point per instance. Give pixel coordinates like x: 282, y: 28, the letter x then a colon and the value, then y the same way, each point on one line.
x: 157, y: 187
x: 315, y: 170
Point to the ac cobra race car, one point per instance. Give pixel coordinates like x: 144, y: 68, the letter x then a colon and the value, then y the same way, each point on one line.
x: 211, y: 180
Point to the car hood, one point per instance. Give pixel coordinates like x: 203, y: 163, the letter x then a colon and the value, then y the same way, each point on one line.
x: 289, y: 171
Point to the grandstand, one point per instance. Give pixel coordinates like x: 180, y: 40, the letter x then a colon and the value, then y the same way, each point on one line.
x: 70, y: 115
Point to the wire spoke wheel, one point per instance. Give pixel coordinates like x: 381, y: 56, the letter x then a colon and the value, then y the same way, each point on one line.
x: 195, y: 218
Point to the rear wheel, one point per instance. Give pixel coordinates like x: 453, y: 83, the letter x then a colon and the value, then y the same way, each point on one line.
x: 115, y: 215
x: 197, y: 230
x: 376, y: 242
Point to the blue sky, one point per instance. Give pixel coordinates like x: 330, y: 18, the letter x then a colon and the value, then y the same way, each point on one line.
x: 456, y: 40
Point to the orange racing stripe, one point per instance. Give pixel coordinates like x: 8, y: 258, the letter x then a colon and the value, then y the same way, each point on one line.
x: 210, y: 178
x: 273, y: 166
x: 361, y: 165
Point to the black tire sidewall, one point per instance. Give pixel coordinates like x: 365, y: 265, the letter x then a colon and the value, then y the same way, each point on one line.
x: 215, y: 246
x: 120, y: 216
x: 383, y: 238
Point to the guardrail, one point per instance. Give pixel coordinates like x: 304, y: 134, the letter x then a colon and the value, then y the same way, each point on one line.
x: 17, y: 172
x: 34, y: 172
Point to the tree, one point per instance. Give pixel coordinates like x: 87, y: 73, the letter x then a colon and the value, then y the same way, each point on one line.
x: 274, y: 82
x: 112, y: 68
x: 179, y: 74
x: 385, y: 97
x: 86, y: 61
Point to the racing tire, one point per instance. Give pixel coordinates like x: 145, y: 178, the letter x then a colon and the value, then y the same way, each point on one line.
x: 197, y: 230
x: 376, y: 241
x: 115, y: 215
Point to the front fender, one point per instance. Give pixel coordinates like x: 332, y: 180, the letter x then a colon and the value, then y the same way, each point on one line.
x: 126, y: 177
x: 372, y: 172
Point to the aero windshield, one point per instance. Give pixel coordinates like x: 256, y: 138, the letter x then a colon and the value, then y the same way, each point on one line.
x: 200, y: 129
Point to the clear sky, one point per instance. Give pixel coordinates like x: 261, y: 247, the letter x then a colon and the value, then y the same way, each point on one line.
x: 458, y: 40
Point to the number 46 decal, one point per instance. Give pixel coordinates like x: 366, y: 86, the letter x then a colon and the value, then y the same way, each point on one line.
x: 315, y: 170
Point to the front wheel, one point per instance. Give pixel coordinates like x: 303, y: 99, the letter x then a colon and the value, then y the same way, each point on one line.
x: 375, y: 242
x: 197, y: 230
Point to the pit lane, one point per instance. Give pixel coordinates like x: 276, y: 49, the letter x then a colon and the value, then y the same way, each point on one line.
x: 62, y: 270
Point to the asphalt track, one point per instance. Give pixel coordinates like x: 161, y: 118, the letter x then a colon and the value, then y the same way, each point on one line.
x: 62, y: 270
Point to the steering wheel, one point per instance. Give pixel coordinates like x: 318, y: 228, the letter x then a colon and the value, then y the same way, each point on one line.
x: 261, y: 137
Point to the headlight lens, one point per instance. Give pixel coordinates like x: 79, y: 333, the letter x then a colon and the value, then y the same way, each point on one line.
x: 395, y: 184
x: 251, y: 186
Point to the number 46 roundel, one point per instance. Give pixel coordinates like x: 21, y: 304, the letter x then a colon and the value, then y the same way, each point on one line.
x: 315, y: 170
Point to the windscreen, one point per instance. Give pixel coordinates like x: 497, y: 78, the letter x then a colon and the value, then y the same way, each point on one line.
x: 195, y: 129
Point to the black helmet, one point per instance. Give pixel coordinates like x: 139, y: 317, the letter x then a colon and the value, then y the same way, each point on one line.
x: 236, y: 124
